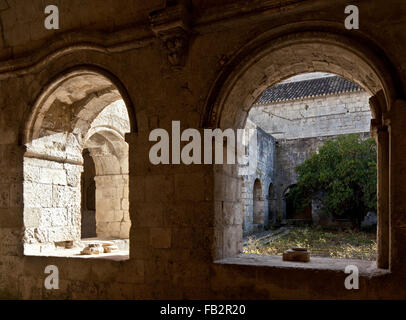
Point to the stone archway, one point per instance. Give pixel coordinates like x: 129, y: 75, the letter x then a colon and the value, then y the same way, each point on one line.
x: 82, y: 110
x: 109, y: 153
x: 267, y: 61
x: 273, y: 60
x: 290, y: 212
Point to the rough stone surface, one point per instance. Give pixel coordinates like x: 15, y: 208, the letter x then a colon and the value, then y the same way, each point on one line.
x: 236, y: 50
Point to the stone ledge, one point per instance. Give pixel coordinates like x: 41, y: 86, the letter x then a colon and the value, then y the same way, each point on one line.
x: 115, y: 256
x: 33, y: 250
x: 366, y: 268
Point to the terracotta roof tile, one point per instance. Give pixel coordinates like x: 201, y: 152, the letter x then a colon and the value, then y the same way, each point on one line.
x: 307, y: 88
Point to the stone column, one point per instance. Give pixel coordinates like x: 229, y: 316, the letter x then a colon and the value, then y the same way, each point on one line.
x: 172, y: 211
x: 380, y: 131
x: 112, y: 218
x: 382, y: 138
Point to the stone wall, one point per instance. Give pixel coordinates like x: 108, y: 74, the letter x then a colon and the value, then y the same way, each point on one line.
x: 186, y: 224
x: 276, y: 171
x: 110, y: 154
x: 51, y: 201
x: 112, y: 216
x: 315, y: 117
x: 263, y: 172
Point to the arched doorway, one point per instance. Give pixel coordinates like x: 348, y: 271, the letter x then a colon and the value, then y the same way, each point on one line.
x: 109, y: 153
x: 293, y: 213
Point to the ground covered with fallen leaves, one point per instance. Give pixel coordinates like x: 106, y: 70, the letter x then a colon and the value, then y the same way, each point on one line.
x: 322, y: 243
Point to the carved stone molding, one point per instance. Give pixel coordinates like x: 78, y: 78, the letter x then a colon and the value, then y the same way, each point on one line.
x: 171, y: 25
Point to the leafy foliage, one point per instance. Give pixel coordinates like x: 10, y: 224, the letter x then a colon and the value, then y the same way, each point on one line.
x: 344, y: 169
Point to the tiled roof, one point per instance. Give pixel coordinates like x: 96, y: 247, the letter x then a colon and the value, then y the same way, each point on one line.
x: 307, y: 88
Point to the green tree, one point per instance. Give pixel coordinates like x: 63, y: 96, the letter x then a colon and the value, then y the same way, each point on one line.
x: 344, y: 168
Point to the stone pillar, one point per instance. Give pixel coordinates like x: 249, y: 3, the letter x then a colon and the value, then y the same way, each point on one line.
x: 172, y: 211
x: 397, y: 186
x: 383, y: 198
x: 380, y: 131
x: 227, y: 211
x: 112, y: 217
x: 11, y: 203
x: 136, y: 192
x: 246, y: 224
x: 52, y: 200
x: 259, y: 217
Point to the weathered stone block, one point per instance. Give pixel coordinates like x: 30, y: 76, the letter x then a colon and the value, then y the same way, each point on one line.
x: 190, y: 186
x: 4, y: 196
x: 31, y: 173
x: 32, y: 217
x: 125, y: 230
x: 160, y: 238
x: 63, y: 196
x: 53, y: 176
x: 36, y: 194
x: 73, y: 174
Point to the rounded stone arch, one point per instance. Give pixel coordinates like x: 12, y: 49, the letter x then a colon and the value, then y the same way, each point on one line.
x: 277, y: 55
x: 114, y: 150
x: 41, y: 105
x: 270, y: 59
x: 109, y: 152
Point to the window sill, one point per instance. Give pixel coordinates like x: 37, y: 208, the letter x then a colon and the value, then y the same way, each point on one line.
x: 366, y: 268
x: 58, y: 251
x: 105, y: 256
